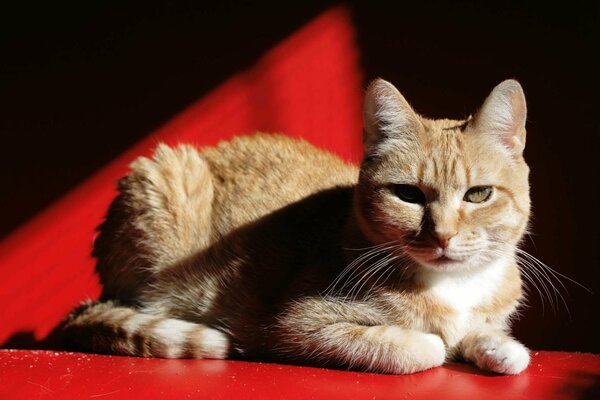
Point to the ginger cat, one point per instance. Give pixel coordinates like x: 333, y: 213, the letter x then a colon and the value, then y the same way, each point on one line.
x: 266, y: 247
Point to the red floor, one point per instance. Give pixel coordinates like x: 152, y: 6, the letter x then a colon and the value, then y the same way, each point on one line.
x: 308, y: 86
x: 56, y: 375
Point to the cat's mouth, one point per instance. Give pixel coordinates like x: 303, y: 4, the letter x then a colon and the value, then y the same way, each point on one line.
x: 444, y: 259
x: 431, y: 256
x: 438, y: 259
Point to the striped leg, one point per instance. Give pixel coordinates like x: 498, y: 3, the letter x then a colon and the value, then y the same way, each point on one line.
x: 112, y: 329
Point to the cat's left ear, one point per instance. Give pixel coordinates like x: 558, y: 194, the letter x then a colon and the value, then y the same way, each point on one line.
x: 503, y: 115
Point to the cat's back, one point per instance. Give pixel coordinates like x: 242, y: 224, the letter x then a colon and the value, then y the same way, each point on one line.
x: 257, y: 174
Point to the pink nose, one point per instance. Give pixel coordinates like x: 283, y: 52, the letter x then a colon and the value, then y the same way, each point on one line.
x: 443, y: 237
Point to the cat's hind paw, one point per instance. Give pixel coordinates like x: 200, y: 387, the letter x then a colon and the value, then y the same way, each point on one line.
x: 213, y: 344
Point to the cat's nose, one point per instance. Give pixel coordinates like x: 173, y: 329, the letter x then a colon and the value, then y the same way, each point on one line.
x: 443, y: 236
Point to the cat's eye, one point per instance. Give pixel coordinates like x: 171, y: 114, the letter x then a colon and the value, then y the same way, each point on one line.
x: 409, y: 194
x: 478, y: 194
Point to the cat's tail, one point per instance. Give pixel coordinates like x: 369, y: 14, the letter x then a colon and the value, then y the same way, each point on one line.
x: 106, y: 327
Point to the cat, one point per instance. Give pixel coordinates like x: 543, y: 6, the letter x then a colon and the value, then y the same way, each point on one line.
x: 267, y: 248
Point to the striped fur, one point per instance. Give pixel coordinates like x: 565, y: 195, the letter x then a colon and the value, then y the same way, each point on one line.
x: 106, y: 327
x: 266, y: 247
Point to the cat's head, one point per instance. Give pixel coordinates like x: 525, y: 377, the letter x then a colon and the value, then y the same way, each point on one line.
x: 451, y: 194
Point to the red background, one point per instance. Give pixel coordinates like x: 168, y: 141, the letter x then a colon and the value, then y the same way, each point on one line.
x: 80, y: 84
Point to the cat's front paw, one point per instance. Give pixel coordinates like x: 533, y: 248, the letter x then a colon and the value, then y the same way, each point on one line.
x: 433, y: 351
x: 502, y: 356
x: 414, y: 351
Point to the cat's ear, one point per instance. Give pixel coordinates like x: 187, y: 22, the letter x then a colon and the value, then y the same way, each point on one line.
x: 386, y: 116
x: 503, y: 115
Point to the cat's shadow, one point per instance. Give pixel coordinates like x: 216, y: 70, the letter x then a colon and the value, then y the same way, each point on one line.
x: 466, y: 368
x: 26, y: 340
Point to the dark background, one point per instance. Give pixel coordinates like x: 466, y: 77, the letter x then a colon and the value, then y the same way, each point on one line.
x: 79, y: 83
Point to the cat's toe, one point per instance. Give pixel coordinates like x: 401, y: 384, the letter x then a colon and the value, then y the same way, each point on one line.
x: 508, y: 357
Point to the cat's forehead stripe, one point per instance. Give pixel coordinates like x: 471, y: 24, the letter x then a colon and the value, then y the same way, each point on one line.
x: 444, y: 161
x: 467, y: 169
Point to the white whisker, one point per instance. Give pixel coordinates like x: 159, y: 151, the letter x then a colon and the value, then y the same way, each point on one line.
x: 552, y: 271
x: 356, y: 265
x: 356, y: 289
x: 549, y: 284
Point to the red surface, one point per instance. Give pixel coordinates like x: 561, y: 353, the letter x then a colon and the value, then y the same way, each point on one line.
x: 55, y: 375
x: 308, y: 86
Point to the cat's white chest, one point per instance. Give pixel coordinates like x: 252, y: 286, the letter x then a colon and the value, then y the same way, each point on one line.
x: 463, y: 291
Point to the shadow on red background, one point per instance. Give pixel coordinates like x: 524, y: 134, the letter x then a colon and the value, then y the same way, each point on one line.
x: 80, y: 84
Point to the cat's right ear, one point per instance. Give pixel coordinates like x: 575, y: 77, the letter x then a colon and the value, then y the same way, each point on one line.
x: 387, y: 116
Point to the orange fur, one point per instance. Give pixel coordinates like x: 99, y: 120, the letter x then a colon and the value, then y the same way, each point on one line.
x: 267, y: 247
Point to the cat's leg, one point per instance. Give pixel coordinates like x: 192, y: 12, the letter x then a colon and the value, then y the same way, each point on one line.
x: 493, y: 350
x: 339, y: 334
x: 379, y: 348
x: 106, y: 327
x: 161, y: 217
x: 169, y: 202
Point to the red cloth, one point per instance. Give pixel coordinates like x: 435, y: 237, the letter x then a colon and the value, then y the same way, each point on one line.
x: 308, y: 86
x: 56, y: 375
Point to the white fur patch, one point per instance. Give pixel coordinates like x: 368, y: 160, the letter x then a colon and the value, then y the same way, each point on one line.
x: 214, y: 343
x: 507, y: 357
x: 173, y: 334
x: 463, y: 290
x: 435, y: 349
